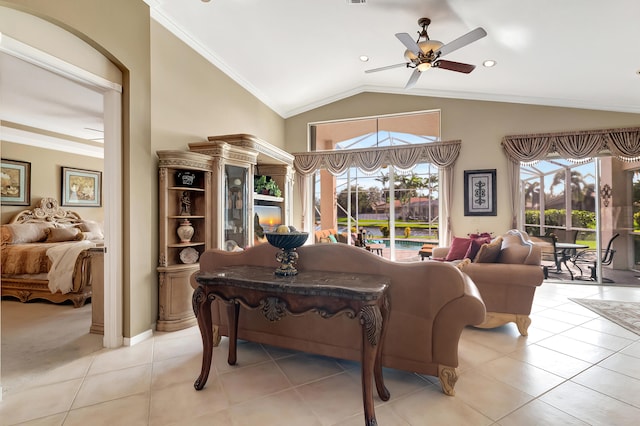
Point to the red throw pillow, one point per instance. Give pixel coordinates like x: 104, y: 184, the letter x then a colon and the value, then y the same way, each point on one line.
x: 485, y: 235
x: 458, y: 249
x: 474, y: 247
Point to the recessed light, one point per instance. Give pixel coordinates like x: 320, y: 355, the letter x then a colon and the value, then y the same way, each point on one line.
x: 364, y: 58
x: 489, y: 63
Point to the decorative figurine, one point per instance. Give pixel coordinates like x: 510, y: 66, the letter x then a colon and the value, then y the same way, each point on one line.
x: 185, y: 204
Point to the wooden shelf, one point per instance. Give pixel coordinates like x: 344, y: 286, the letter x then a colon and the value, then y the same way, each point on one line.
x: 189, y: 244
x: 262, y: 197
x: 185, y: 217
x: 186, y: 188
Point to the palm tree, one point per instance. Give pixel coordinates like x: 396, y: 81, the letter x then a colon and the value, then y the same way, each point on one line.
x: 577, y: 185
x: 532, y: 194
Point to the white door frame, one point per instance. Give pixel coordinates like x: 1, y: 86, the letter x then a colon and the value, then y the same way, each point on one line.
x: 112, y: 183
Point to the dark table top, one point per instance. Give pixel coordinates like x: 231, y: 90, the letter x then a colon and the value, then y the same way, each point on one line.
x: 313, y: 283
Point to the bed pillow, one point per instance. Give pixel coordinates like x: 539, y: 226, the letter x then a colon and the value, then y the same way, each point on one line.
x: 91, y: 236
x: 489, y: 253
x: 24, y: 233
x: 93, y: 227
x: 58, y: 235
x: 458, y: 249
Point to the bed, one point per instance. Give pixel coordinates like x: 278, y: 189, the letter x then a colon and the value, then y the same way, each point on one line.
x: 51, y: 253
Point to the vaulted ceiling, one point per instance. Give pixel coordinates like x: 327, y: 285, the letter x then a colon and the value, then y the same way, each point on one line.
x: 298, y: 55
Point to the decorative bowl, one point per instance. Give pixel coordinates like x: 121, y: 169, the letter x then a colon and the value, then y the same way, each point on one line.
x: 287, y: 241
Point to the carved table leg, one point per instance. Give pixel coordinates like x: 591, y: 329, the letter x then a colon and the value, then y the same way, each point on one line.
x: 383, y: 392
x: 202, y: 310
x: 371, y: 321
x: 233, y: 311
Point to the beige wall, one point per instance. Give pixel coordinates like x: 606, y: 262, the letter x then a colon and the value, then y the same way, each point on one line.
x: 480, y: 125
x: 46, y: 176
x: 192, y: 99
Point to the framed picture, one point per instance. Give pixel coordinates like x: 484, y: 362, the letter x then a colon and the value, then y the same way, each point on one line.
x: 81, y: 188
x: 16, y: 183
x: 480, y: 193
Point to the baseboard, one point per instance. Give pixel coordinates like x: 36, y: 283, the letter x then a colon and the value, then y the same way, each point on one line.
x: 130, y: 341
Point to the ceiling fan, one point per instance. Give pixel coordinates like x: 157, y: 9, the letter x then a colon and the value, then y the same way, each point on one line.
x: 425, y: 53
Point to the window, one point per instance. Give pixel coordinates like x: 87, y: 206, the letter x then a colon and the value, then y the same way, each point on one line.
x: 559, y: 197
x: 356, y: 200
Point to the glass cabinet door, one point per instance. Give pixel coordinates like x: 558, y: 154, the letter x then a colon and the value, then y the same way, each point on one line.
x: 236, y: 212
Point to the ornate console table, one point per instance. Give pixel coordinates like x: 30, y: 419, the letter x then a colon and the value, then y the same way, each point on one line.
x: 359, y: 296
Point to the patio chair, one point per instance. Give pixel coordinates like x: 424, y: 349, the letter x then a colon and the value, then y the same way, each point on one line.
x: 549, y: 253
x: 589, y: 258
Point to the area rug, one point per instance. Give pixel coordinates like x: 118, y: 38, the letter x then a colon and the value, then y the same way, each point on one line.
x: 625, y: 314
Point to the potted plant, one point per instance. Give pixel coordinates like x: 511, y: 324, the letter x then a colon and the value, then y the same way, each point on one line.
x: 267, y: 186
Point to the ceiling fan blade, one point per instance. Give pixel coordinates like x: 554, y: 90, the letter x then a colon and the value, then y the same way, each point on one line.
x: 462, y: 41
x: 413, y: 79
x: 408, y: 42
x: 454, y: 66
x: 388, y: 67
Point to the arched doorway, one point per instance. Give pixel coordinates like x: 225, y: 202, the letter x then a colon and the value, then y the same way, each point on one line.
x: 112, y: 184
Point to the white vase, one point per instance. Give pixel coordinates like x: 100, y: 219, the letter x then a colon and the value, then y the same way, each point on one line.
x: 185, y: 231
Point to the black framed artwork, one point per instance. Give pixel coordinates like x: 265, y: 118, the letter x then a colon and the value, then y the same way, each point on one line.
x: 480, y: 193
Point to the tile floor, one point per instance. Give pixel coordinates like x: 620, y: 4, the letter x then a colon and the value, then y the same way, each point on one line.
x: 574, y: 368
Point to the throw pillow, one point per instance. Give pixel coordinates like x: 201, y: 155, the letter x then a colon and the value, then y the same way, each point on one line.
x: 58, y: 235
x: 463, y: 263
x: 459, y: 247
x: 474, y: 247
x: 489, y: 253
x: 513, y: 250
x: 332, y: 238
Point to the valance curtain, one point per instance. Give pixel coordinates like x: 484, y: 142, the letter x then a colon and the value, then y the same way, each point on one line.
x: 441, y: 154
x: 623, y: 144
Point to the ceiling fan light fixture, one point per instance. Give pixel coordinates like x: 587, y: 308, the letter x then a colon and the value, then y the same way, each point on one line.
x: 409, y: 55
x: 424, y: 66
x: 430, y: 46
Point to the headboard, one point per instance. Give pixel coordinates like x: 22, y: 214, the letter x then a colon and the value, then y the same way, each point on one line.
x: 47, y: 210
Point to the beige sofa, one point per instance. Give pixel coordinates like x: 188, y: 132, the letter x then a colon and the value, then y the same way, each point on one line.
x: 508, y: 284
x: 430, y: 302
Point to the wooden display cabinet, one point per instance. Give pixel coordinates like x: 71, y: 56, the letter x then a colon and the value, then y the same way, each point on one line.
x: 217, y: 199
x: 185, y: 232
x: 235, y: 161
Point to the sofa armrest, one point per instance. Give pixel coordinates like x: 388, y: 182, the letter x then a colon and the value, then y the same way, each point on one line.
x: 448, y: 323
x: 505, y: 273
x: 440, y: 252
